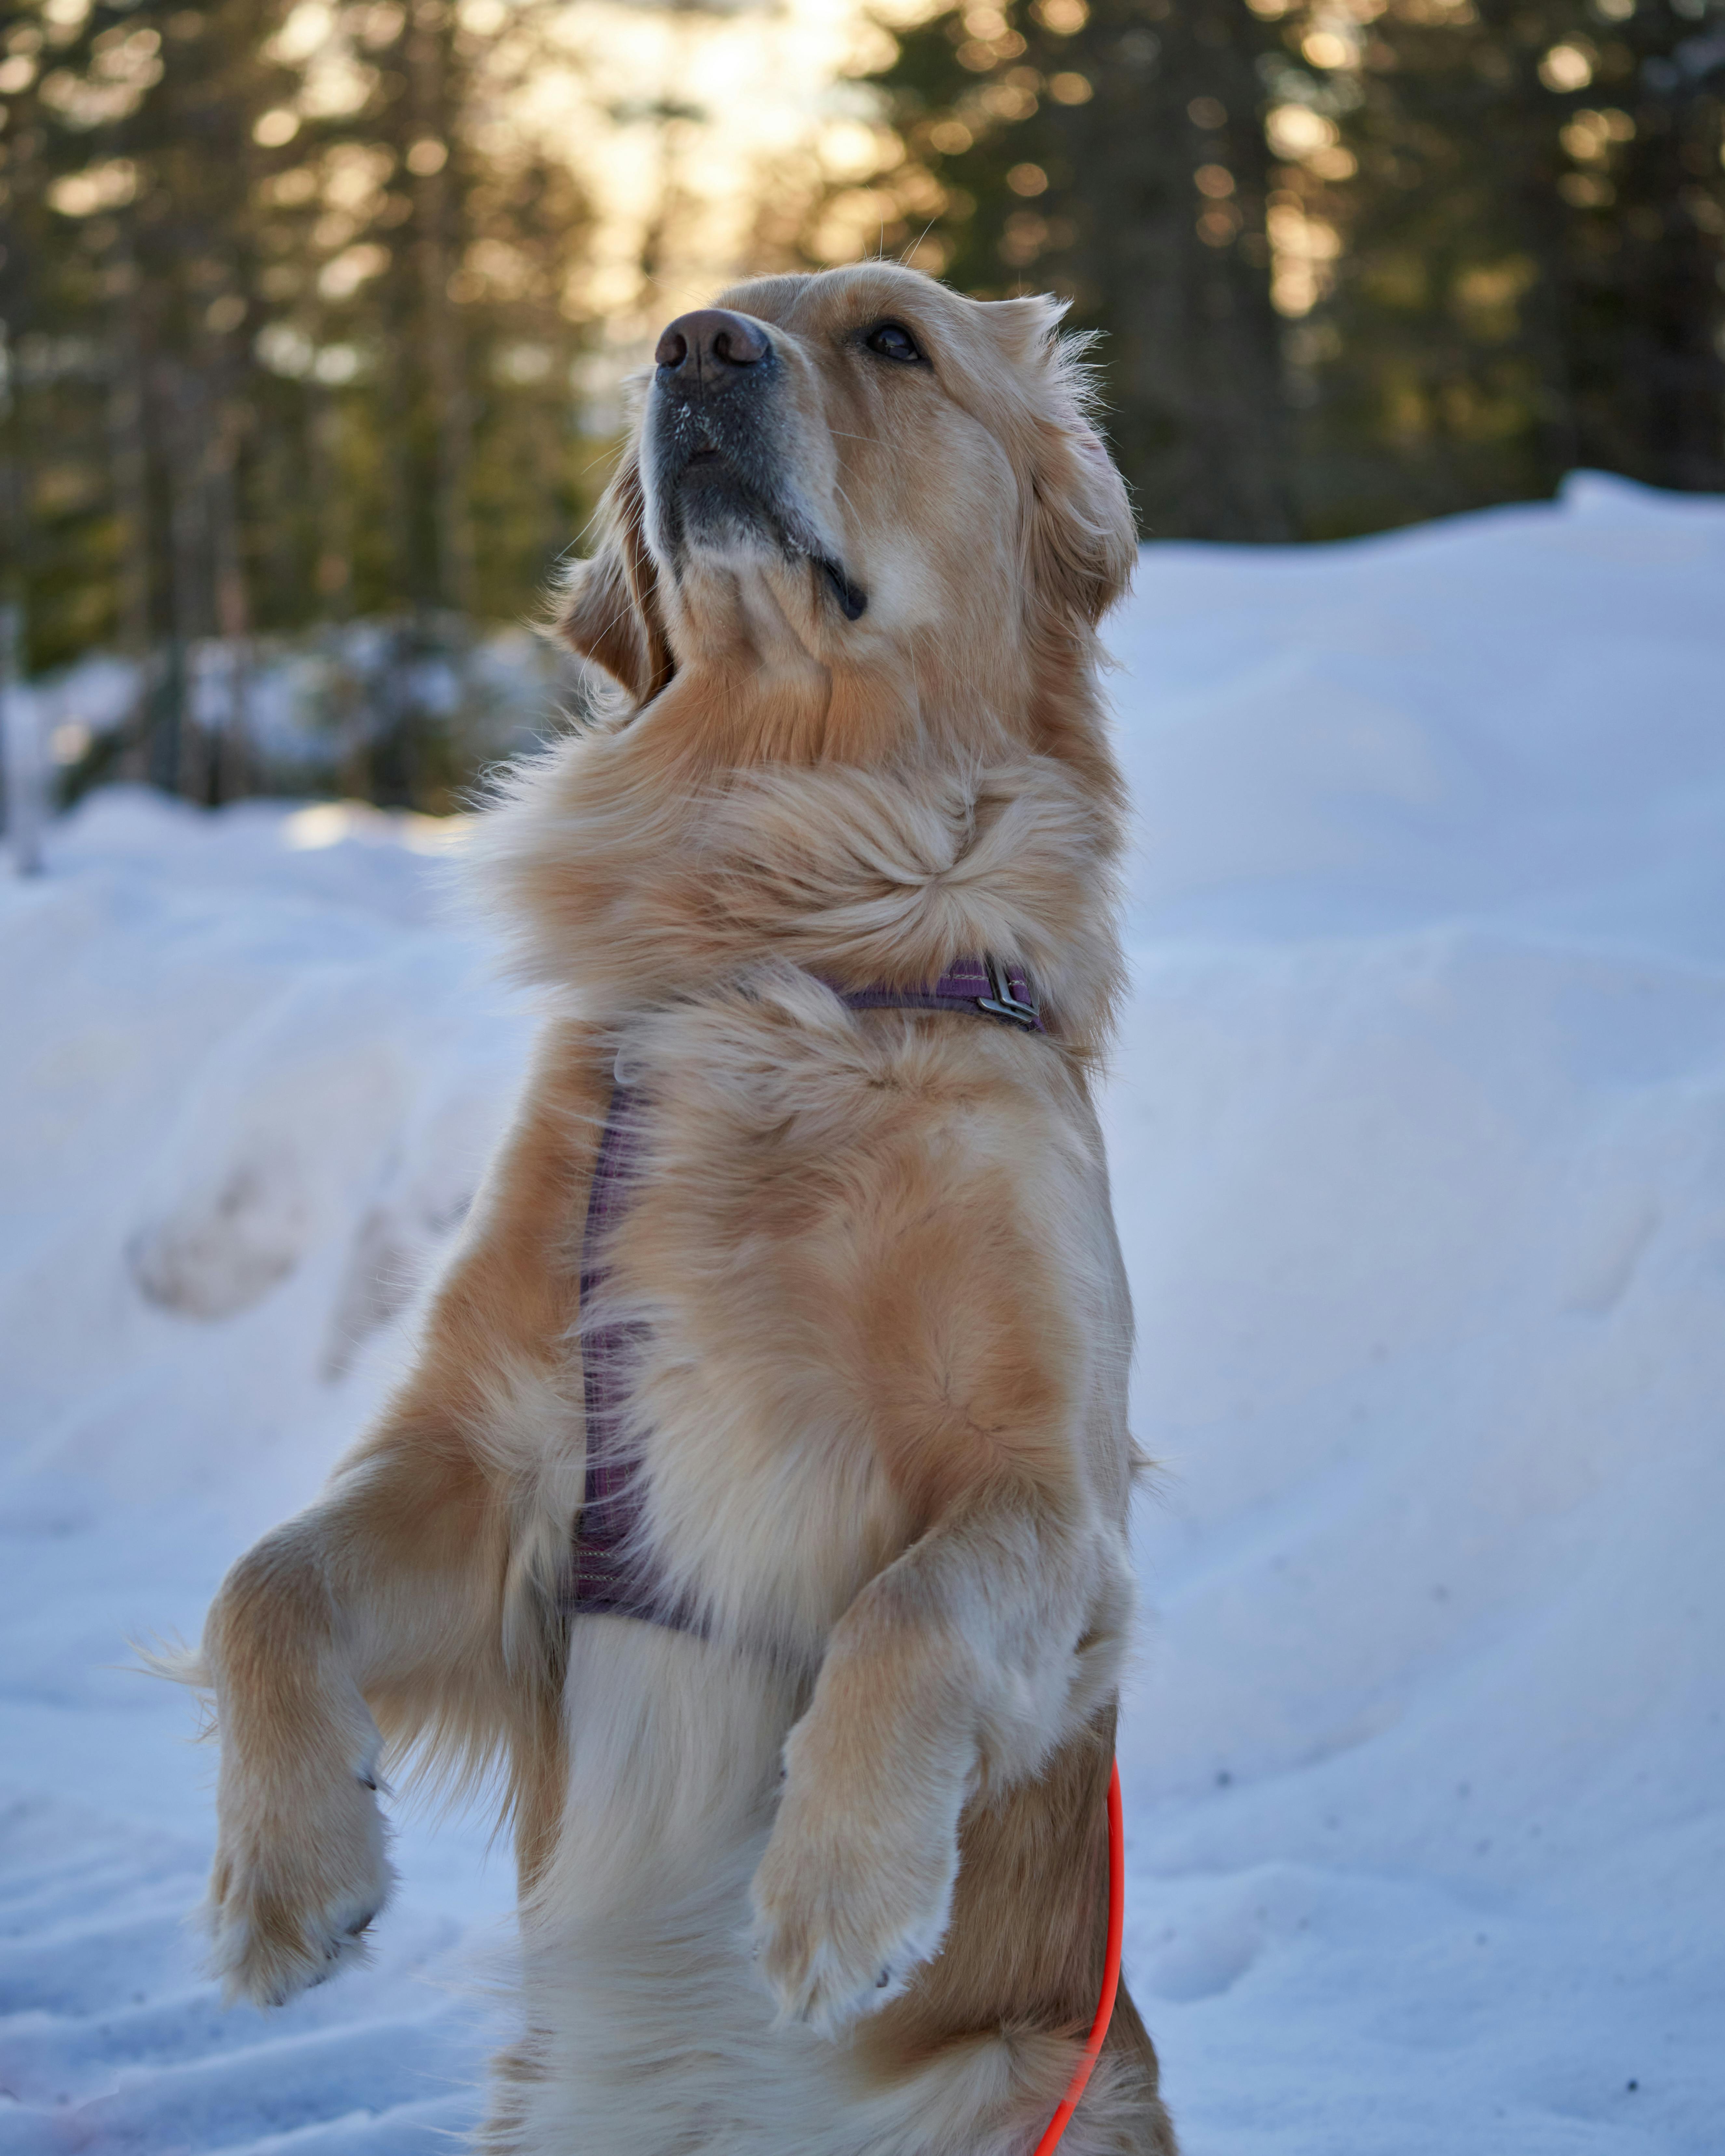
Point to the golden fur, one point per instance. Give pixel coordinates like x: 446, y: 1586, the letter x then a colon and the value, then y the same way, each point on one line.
x: 831, y: 1876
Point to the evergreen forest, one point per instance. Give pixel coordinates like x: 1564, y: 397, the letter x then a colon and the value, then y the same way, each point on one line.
x: 297, y: 321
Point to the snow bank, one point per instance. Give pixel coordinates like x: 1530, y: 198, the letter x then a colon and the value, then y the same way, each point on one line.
x: 1418, y: 1132
x: 1419, y: 1135
x: 307, y: 704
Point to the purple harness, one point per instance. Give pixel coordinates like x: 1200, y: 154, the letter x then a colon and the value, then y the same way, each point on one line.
x: 609, y: 1576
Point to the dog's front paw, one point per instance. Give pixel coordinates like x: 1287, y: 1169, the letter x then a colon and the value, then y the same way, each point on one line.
x: 294, y: 1888
x: 846, y: 1908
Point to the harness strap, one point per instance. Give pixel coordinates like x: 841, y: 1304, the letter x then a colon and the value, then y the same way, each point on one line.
x: 607, y: 1576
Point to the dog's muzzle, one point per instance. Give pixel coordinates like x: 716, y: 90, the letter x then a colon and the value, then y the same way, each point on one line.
x: 710, y: 426
x: 717, y: 467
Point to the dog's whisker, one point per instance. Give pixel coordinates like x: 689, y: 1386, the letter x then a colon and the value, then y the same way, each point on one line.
x: 914, y: 244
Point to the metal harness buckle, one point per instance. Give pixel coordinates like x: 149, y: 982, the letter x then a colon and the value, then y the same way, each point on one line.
x: 1002, y: 1002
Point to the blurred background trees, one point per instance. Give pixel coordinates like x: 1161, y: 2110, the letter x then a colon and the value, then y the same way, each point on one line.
x: 1358, y: 262
x: 315, y: 311
x: 288, y: 335
x: 1532, y: 252
x: 1115, y: 153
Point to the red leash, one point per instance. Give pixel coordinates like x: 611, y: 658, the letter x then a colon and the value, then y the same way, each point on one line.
x: 1110, y: 1974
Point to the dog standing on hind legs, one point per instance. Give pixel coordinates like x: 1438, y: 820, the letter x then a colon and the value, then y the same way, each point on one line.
x: 758, y: 1502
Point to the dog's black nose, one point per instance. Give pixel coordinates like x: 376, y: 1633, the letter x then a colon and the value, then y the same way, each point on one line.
x: 711, y: 345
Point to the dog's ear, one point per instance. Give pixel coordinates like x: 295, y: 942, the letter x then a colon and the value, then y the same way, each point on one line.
x: 1084, y: 545
x: 608, y: 608
x: 1082, y: 541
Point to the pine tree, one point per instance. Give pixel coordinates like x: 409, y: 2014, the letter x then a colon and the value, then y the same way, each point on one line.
x: 1644, y: 253
x: 1114, y: 153
x: 289, y: 331
x: 1528, y: 199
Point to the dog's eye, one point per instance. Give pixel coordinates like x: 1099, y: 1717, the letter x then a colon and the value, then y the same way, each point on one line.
x: 893, y: 340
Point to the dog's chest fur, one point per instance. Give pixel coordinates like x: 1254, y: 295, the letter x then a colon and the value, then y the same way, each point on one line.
x: 786, y: 1152
x: 809, y: 1183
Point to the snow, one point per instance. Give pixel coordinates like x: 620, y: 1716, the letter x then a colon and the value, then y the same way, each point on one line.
x: 1419, y: 1134
x: 310, y: 702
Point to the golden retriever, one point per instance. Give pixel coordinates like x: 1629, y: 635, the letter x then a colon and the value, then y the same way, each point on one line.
x: 816, y: 1862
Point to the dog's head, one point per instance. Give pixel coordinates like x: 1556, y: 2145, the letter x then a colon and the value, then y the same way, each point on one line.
x: 870, y: 498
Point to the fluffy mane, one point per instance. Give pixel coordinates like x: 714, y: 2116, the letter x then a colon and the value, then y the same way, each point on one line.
x: 618, y: 896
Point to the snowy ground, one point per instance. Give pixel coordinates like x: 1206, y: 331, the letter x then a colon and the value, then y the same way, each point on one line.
x: 1419, y: 1128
